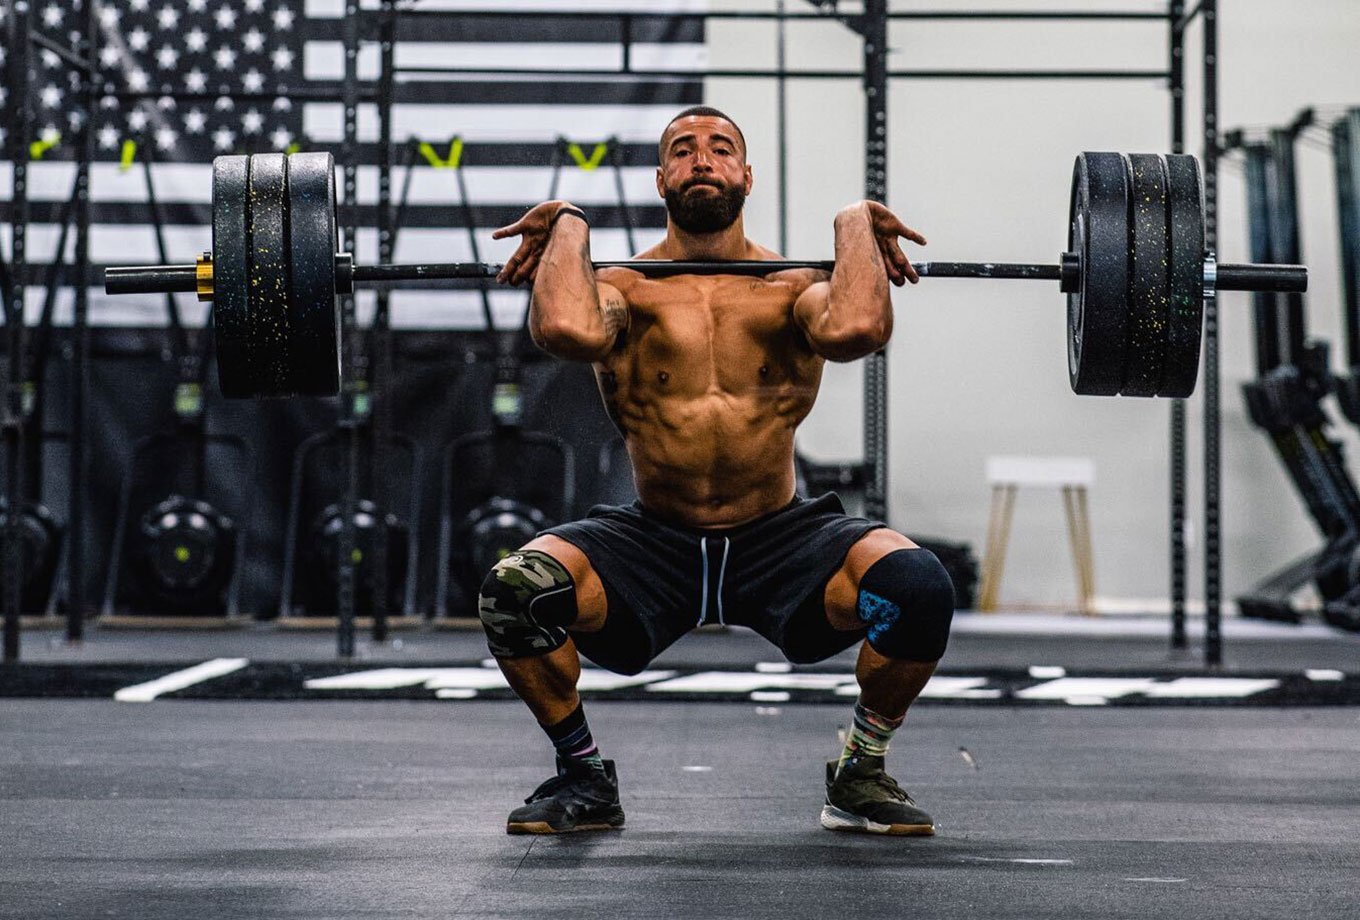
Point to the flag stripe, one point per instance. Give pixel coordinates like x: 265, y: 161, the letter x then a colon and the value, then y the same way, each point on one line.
x: 414, y: 26
x: 424, y: 215
x: 265, y: 75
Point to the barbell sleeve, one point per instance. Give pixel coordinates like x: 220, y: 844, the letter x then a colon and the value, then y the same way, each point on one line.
x: 151, y: 279
x: 1287, y: 279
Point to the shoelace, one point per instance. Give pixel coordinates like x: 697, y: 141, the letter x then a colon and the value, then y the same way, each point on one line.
x: 885, y: 782
x: 545, y: 789
x: 549, y: 787
x: 890, y: 785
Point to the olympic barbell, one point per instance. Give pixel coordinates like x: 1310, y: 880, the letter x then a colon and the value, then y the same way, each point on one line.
x: 1135, y: 272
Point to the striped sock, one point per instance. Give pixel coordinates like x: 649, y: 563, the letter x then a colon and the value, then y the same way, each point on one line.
x: 573, y: 741
x: 870, y: 734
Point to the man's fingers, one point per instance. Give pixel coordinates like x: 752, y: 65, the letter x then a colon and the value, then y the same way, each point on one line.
x: 901, y: 229
x: 512, y: 264
x: 528, y: 268
x: 899, y: 267
x: 503, y: 232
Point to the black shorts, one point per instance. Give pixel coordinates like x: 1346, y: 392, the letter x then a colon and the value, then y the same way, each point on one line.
x: 663, y: 579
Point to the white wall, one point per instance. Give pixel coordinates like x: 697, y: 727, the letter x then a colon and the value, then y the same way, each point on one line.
x: 983, y: 169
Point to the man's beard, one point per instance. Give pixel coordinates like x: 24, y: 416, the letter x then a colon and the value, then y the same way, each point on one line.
x: 705, y: 213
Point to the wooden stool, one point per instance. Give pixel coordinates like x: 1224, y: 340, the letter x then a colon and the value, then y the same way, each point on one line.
x: 1006, y: 475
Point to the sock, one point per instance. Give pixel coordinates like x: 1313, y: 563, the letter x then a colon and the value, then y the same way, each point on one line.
x: 573, y: 741
x: 869, y: 736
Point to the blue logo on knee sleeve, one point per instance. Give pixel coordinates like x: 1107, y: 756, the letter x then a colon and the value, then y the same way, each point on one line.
x: 878, y: 612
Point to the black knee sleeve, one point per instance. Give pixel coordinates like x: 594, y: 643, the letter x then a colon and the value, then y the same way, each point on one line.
x: 526, y: 603
x: 907, y: 600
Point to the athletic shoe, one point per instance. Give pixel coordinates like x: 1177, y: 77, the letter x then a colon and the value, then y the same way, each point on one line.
x: 865, y: 799
x: 578, y: 798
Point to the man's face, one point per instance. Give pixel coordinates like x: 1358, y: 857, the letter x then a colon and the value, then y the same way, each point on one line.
x: 703, y: 173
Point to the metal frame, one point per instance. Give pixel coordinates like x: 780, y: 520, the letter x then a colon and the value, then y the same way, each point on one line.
x: 20, y: 39
x: 871, y: 23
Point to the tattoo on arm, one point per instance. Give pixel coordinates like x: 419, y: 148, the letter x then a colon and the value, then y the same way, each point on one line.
x: 615, y: 312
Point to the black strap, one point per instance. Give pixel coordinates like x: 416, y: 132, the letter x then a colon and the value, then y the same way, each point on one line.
x: 568, y: 209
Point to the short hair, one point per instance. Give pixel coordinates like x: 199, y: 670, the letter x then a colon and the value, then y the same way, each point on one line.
x: 700, y: 110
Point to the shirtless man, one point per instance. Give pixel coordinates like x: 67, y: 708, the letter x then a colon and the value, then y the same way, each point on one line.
x: 707, y: 377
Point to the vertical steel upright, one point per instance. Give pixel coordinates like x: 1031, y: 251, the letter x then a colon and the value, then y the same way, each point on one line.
x: 1213, y: 613
x: 380, y: 365
x: 20, y: 24
x: 348, y: 329
x: 875, y: 23
x: 1178, y: 471
x: 782, y: 126
x: 80, y: 346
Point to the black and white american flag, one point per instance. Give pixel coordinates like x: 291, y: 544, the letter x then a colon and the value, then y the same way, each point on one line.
x: 266, y: 75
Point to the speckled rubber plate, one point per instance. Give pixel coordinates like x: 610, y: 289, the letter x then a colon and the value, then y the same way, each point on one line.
x: 313, y: 320
x: 1185, y: 318
x: 1149, y: 290
x: 1099, y: 234
x: 268, y: 276
x: 230, y: 185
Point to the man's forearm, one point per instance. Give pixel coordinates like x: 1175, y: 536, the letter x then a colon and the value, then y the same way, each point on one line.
x: 564, y: 312
x: 859, y: 304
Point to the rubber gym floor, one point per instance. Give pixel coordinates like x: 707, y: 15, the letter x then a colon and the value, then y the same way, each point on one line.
x: 1075, y: 768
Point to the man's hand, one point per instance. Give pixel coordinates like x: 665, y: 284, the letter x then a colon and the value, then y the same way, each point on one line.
x: 887, y: 227
x: 534, y: 228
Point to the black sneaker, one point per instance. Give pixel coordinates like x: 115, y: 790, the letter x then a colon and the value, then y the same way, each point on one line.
x: 578, y: 798
x: 865, y: 799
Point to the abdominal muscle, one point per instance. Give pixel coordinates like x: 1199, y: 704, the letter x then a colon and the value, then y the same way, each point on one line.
x: 712, y: 462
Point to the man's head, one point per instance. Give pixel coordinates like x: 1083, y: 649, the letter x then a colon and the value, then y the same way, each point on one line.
x: 703, y: 173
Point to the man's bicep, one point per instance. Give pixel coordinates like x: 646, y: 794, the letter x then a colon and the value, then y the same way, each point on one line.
x: 811, y: 304
x: 613, y: 310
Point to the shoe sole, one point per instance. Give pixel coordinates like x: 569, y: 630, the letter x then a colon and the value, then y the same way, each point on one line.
x: 834, y: 819
x: 543, y: 827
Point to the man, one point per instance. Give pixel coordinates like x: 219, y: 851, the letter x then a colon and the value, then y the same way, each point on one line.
x: 707, y: 377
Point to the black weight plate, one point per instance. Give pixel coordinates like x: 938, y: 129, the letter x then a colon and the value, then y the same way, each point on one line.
x: 493, y: 530
x: 1149, y: 289
x: 313, y: 319
x: 1185, y: 317
x: 1099, y: 235
x: 231, y: 330
x: 268, y: 276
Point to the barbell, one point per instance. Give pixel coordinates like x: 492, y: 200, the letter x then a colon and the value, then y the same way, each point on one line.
x: 1135, y: 273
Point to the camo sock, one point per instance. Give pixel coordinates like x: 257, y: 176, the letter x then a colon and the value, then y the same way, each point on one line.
x: 573, y: 741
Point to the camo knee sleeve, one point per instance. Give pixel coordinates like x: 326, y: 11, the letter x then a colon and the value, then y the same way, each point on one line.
x: 525, y: 605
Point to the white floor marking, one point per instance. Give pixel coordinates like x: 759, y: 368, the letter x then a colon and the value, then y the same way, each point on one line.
x: 1087, y: 701
x: 696, y: 768
x: 1164, y: 880
x: 1068, y: 688
x: 967, y: 688
x: 438, y: 679
x: 745, y: 682
x: 1324, y: 674
x: 396, y: 678
x: 1047, y: 672
x: 457, y: 693
x: 773, y: 667
x: 1218, y: 687
x: 770, y: 696
x: 208, y: 670
x: 1022, y: 861
x: 943, y: 688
